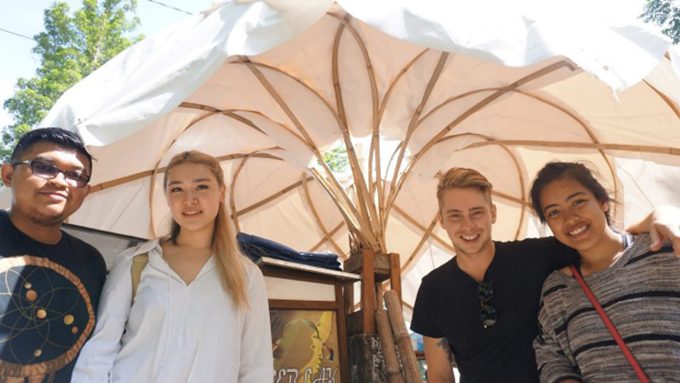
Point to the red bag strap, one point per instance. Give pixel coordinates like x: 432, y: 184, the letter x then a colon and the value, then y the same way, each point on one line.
x: 610, y: 326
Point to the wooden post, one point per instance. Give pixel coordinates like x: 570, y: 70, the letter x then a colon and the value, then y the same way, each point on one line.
x: 375, y: 269
x: 395, y: 274
x: 349, y: 298
x: 342, y: 333
x: 408, y: 356
x: 368, y: 292
x: 389, y: 349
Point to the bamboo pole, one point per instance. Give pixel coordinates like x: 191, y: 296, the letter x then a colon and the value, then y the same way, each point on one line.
x: 341, y: 124
x: 357, y: 306
x: 607, y: 159
x: 366, y: 207
x: 389, y: 349
x: 408, y: 356
x: 422, y: 228
x: 580, y: 145
x: 665, y: 98
x: 434, y: 78
x: 479, y: 105
x: 352, y: 224
x: 366, y: 231
x: 270, y: 198
x: 148, y: 173
x: 381, y: 185
x: 376, y: 131
x: 426, y: 235
x: 232, y: 194
x: 323, y: 240
x: 317, y: 218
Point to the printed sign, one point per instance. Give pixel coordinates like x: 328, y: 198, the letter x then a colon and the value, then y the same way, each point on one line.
x: 305, y: 346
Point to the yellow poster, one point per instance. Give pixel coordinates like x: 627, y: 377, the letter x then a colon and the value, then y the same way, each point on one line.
x: 305, y: 346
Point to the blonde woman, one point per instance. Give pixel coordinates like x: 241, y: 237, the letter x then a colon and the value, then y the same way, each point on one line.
x: 200, y: 309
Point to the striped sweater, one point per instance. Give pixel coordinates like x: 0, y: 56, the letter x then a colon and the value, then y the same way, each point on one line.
x: 640, y: 293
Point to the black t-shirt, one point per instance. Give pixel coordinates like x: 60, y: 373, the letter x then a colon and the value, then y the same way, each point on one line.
x: 447, y: 306
x: 48, y: 300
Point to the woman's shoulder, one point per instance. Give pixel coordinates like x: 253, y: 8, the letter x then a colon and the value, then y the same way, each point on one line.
x: 143, y: 247
x: 559, y: 276
x: 127, y: 255
x: 639, y: 252
x: 642, y: 243
x: 556, y: 281
x: 643, y: 240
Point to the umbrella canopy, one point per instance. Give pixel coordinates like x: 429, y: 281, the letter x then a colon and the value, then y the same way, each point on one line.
x: 272, y: 89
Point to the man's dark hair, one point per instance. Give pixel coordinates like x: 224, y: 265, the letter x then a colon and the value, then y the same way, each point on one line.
x: 61, y: 137
x: 576, y: 171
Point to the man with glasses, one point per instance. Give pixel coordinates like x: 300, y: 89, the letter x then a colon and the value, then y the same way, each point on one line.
x: 51, y: 280
x: 482, y: 305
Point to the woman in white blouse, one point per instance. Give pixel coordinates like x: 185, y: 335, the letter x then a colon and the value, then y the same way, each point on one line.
x: 200, y: 310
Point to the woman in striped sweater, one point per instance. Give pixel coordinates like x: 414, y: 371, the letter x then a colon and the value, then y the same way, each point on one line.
x: 638, y: 288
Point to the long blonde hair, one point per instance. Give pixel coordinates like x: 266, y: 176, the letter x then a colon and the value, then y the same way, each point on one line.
x: 227, y: 254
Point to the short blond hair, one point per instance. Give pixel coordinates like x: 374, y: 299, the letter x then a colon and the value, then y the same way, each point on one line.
x: 458, y: 178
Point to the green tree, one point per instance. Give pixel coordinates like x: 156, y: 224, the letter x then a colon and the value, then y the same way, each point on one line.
x: 336, y: 158
x: 665, y: 13
x: 70, y: 48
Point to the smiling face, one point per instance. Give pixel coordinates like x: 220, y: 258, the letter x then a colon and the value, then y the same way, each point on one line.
x: 575, y: 216
x: 40, y: 201
x: 467, y: 215
x: 194, y: 196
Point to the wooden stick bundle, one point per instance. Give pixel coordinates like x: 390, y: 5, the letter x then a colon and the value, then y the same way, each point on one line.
x: 388, y: 347
x: 408, y: 356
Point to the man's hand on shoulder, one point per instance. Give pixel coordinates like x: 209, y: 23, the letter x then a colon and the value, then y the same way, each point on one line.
x: 663, y: 224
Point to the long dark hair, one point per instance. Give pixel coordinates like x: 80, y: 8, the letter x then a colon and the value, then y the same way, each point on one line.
x: 553, y: 171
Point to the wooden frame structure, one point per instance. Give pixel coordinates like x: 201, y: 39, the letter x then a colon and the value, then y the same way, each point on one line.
x: 375, y: 269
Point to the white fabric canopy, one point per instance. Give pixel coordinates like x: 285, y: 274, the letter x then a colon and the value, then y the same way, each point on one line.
x: 269, y: 87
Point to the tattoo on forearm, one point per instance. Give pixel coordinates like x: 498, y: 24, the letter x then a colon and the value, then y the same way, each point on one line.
x: 444, y: 344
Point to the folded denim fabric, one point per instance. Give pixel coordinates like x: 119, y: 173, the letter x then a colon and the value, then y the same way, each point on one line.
x: 255, y: 247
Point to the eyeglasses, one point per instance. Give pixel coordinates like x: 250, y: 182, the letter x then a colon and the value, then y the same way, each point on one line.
x: 48, y: 171
x: 488, y: 313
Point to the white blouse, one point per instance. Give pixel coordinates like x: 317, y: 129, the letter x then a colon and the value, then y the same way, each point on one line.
x: 174, y: 332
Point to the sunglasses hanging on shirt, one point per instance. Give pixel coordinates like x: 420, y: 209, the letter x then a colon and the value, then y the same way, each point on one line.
x: 488, y: 313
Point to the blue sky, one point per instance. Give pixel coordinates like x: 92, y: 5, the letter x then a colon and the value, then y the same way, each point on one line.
x: 25, y: 17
